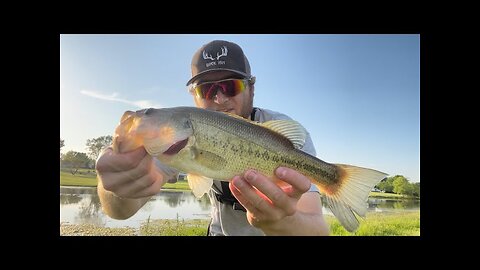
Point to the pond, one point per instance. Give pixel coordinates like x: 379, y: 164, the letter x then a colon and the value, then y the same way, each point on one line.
x: 80, y: 205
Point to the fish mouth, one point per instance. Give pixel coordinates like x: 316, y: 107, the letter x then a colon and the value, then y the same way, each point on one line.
x: 176, y: 147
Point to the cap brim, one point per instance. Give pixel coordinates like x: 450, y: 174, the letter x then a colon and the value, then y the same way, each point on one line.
x: 218, y: 69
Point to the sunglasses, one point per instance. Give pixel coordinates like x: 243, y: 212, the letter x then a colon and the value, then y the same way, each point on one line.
x: 228, y: 87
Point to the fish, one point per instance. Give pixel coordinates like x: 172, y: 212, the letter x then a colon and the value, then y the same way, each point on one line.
x: 207, y: 145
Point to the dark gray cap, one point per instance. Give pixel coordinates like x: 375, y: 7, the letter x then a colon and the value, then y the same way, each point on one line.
x: 219, y: 55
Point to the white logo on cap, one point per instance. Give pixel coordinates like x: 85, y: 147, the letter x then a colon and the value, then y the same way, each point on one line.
x: 209, y: 56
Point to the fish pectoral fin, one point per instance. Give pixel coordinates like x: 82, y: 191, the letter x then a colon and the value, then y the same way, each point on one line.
x: 290, y: 129
x: 199, y: 184
x: 208, y: 159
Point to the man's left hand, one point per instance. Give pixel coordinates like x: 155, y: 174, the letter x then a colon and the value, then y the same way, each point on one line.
x: 266, y: 202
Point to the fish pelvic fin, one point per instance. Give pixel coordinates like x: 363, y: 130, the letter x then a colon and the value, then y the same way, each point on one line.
x: 199, y: 184
x: 349, y: 196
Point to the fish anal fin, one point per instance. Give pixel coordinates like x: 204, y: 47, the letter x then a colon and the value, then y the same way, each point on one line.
x: 199, y: 184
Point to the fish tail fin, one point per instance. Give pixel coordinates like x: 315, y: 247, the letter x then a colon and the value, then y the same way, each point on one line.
x: 349, y: 195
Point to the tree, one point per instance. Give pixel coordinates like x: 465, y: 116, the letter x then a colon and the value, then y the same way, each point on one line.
x: 416, y: 189
x: 400, y: 184
x: 75, y: 160
x: 96, y: 145
x: 62, y: 144
x: 386, y: 185
x: 408, y: 189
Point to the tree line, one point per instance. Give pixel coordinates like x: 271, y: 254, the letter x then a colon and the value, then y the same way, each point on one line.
x: 400, y: 185
x: 74, y: 160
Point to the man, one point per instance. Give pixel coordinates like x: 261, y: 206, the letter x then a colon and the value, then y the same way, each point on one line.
x: 250, y: 204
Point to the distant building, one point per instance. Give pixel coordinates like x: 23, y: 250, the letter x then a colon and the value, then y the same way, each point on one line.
x: 182, y: 177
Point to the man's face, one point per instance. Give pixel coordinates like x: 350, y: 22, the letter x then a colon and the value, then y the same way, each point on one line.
x: 241, y: 104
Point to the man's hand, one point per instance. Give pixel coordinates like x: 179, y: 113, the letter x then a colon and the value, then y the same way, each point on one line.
x: 267, y: 203
x: 129, y: 175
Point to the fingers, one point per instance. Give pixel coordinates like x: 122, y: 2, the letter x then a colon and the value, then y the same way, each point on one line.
x: 129, y: 175
x: 260, y: 195
x: 275, y: 194
x: 299, y: 182
x: 148, y: 185
x: 114, y: 180
x: 251, y: 199
x: 234, y: 186
x: 111, y: 162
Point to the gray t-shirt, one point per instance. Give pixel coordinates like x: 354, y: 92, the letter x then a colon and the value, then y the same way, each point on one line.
x: 225, y: 220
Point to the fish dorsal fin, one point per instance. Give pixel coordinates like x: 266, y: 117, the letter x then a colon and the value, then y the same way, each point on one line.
x: 199, y: 184
x: 290, y: 129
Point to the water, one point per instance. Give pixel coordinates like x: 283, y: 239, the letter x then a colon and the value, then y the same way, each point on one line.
x: 79, y: 205
x: 82, y: 205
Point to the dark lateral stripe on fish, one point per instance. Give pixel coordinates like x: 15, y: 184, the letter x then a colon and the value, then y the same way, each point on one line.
x: 176, y: 147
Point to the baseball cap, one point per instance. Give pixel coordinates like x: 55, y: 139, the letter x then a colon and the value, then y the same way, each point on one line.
x: 219, y: 55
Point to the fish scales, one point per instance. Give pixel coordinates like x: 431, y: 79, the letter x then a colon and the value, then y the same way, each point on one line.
x: 246, y: 145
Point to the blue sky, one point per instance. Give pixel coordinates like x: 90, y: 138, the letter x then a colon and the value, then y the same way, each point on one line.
x: 357, y: 95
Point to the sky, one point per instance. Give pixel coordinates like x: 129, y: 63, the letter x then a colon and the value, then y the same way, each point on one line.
x: 357, y: 95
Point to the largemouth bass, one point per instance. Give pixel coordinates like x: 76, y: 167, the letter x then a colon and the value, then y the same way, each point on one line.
x: 211, y: 145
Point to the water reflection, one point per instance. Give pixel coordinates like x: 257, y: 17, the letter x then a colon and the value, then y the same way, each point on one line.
x: 390, y: 204
x: 90, y: 211
x: 69, y: 199
x: 82, y: 205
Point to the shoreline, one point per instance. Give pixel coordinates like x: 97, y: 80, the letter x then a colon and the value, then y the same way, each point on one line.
x: 376, y: 224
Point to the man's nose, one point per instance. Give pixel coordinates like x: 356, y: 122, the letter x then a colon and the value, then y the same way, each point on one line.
x: 220, y: 98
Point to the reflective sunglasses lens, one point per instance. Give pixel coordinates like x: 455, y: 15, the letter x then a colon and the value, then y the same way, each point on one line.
x: 229, y: 88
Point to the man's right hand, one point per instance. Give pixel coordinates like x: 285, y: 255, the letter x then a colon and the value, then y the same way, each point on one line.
x: 129, y: 175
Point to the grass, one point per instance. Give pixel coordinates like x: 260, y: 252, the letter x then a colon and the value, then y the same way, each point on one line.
x: 88, y: 178
x: 395, y: 224
x: 381, y: 224
x: 375, y: 194
x: 174, y: 227
x: 181, y: 185
x: 375, y: 224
